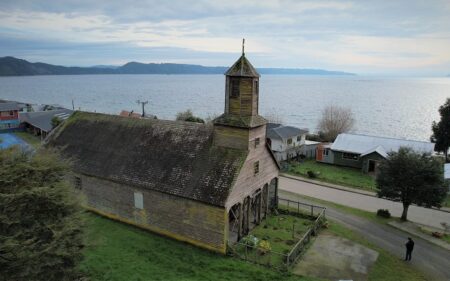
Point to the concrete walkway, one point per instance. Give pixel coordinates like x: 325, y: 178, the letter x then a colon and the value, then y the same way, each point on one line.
x: 416, y: 214
x: 430, y: 259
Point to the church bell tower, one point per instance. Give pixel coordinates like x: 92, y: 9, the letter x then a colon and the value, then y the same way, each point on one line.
x: 240, y: 124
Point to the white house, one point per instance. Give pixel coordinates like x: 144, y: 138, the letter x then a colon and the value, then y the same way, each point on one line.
x: 285, y: 142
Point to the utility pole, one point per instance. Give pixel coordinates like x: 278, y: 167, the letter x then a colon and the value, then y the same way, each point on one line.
x: 143, y: 103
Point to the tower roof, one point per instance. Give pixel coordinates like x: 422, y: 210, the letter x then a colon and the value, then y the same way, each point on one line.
x: 242, y: 68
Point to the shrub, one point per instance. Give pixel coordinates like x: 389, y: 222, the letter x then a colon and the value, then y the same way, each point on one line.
x: 250, y: 241
x: 384, y: 213
x: 189, y: 117
x: 264, y: 247
x: 311, y: 174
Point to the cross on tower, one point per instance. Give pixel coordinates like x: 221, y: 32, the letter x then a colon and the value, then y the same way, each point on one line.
x: 243, y: 43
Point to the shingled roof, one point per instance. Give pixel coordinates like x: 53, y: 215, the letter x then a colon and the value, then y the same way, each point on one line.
x: 242, y: 67
x: 173, y: 157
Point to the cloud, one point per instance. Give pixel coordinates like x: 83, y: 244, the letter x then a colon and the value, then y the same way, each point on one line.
x: 366, y: 36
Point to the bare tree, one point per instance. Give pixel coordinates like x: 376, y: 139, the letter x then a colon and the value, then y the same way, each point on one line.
x: 334, y: 121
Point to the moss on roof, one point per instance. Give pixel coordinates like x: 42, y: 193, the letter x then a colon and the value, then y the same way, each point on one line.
x: 168, y: 156
x: 242, y: 68
x: 240, y: 121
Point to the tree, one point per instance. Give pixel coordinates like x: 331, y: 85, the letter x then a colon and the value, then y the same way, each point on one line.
x: 40, y: 218
x: 441, y: 130
x: 411, y: 178
x: 334, y: 121
x: 55, y: 121
x: 189, y: 117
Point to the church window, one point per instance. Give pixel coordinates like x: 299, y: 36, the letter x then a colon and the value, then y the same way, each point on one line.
x: 138, y: 200
x: 256, y: 87
x: 234, y: 87
x: 257, y: 141
x: 78, y: 183
x: 256, y: 167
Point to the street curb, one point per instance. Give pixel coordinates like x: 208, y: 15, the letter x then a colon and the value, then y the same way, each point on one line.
x: 423, y: 236
x: 334, y: 186
x: 324, y: 184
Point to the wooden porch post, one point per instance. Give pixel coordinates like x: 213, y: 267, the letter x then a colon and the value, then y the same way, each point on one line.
x: 247, y: 215
x: 260, y: 195
x: 239, y: 222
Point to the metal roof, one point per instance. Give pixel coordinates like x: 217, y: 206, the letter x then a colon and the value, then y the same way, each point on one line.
x: 7, y: 106
x: 363, y: 144
x: 284, y: 132
x: 447, y: 171
x: 43, y: 119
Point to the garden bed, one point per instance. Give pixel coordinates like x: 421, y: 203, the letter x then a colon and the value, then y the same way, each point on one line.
x: 271, y: 242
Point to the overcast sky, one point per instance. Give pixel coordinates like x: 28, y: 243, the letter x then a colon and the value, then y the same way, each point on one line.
x: 365, y: 37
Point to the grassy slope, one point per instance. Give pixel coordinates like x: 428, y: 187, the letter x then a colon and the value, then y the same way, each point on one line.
x: 120, y: 252
x: 335, y: 174
x: 29, y: 138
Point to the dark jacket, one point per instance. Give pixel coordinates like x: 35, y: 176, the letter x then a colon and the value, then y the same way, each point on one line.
x: 409, y: 245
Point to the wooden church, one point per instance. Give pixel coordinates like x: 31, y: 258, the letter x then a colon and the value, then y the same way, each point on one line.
x: 202, y: 184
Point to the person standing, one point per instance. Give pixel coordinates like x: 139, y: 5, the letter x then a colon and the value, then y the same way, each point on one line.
x: 409, y: 248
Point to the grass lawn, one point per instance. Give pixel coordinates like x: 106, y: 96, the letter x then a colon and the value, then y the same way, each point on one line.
x: 117, y: 251
x: 387, y: 267
x: 282, y: 232
x: 32, y: 140
x: 429, y: 232
x: 346, y: 176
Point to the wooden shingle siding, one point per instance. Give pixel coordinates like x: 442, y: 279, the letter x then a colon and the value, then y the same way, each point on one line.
x: 231, y: 137
x: 246, y: 97
x: 247, y: 182
x: 179, y: 218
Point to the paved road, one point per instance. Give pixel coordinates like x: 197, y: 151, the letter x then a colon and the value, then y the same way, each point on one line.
x: 428, y: 258
x: 416, y: 214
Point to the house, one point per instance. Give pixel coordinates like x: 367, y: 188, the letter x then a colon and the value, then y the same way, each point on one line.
x: 286, y: 142
x: 130, y: 114
x: 40, y: 123
x: 365, y: 152
x: 9, y: 115
x: 202, y: 184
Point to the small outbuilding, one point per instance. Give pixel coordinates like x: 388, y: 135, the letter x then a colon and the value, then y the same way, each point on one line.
x: 365, y: 152
x: 204, y: 184
x: 40, y: 123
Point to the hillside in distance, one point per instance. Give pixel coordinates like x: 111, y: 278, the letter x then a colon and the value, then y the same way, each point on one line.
x: 10, y: 66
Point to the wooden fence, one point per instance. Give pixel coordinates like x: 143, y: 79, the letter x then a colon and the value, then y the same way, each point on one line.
x: 299, y: 248
x: 277, y: 260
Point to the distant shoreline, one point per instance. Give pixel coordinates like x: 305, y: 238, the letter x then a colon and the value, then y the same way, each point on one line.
x: 10, y: 66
